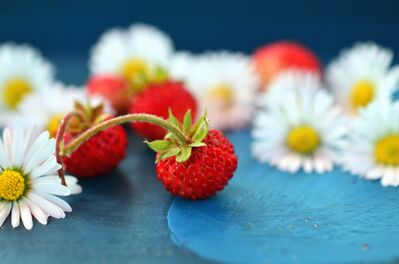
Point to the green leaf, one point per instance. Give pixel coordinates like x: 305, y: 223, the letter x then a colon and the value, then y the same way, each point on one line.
x: 184, y: 155
x: 187, y: 121
x: 197, y: 144
x: 159, y: 145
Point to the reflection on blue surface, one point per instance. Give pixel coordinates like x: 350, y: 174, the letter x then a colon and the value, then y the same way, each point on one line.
x: 268, y: 216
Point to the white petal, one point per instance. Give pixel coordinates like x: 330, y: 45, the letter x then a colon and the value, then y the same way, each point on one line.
x: 26, y: 215
x: 17, y: 146
x: 57, y: 201
x: 50, y: 166
x: 48, y: 207
x: 15, y: 215
x: 52, y: 188
x: 37, y: 212
x: 5, y: 212
x: 41, y: 155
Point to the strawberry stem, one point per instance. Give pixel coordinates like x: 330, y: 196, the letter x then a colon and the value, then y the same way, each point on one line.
x: 59, y: 144
x: 76, y: 142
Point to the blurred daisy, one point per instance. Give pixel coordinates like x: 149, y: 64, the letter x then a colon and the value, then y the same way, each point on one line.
x: 139, y: 54
x: 225, y: 84
x: 361, y: 75
x: 45, y: 110
x: 22, y: 71
x: 29, y: 184
x: 298, y: 125
x: 181, y: 65
x: 373, y: 152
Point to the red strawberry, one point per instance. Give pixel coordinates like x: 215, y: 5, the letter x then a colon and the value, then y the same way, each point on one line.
x: 113, y: 88
x: 157, y: 99
x: 271, y: 59
x: 101, y: 153
x: 199, y: 167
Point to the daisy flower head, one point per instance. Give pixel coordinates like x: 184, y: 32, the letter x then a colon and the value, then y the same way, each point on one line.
x: 45, y: 110
x: 373, y: 149
x: 29, y: 184
x: 361, y: 75
x: 23, y: 71
x: 225, y: 84
x: 140, y: 54
x: 298, y: 125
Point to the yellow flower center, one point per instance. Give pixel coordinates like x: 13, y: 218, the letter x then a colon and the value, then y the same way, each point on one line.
x: 386, y: 150
x: 12, y: 185
x: 53, y: 123
x: 135, y: 71
x: 303, y: 139
x: 222, y: 93
x: 14, y: 91
x: 362, y: 93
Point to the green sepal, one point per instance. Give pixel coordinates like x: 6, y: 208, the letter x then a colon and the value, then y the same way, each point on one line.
x: 170, y: 153
x: 187, y: 121
x: 184, y: 154
x: 172, y: 145
x: 159, y: 145
x: 197, y: 144
x: 159, y: 75
x: 172, y: 119
x: 202, y: 130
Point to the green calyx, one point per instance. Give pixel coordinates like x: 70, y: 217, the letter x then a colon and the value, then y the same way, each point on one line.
x: 155, y: 75
x: 86, y: 117
x: 172, y: 145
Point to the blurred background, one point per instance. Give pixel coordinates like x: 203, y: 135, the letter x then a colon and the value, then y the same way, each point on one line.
x: 66, y: 30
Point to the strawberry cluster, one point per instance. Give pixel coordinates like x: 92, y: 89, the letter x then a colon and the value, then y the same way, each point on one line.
x: 192, y: 162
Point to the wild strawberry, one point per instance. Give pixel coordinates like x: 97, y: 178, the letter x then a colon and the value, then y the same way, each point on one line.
x: 274, y: 58
x: 199, y: 167
x: 157, y: 99
x: 113, y: 88
x: 99, y: 154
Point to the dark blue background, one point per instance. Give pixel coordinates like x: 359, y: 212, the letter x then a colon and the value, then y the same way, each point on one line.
x: 65, y: 30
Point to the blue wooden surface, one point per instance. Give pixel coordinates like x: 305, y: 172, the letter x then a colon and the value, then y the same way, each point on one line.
x: 273, y: 217
x: 119, y: 218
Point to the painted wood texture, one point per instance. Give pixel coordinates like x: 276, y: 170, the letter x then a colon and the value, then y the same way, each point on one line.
x: 267, y: 216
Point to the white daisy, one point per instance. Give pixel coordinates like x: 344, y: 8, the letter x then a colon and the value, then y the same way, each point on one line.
x: 22, y: 71
x: 373, y: 149
x: 45, y: 110
x: 298, y: 126
x: 225, y: 84
x: 29, y: 184
x: 362, y: 74
x: 139, y: 53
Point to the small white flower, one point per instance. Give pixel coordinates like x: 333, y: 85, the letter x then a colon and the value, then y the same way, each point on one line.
x: 224, y: 83
x: 373, y: 149
x: 134, y: 53
x: 361, y: 75
x: 45, y: 110
x: 23, y: 71
x: 29, y: 184
x: 298, y: 125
